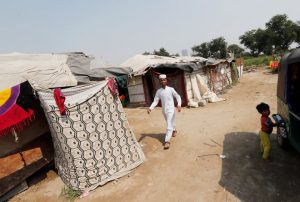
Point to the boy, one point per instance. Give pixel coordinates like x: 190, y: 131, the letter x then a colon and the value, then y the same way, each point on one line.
x: 266, y: 129
x: 166, y: 94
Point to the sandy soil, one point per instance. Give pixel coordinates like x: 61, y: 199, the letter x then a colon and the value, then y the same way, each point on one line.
x: 191, y: 170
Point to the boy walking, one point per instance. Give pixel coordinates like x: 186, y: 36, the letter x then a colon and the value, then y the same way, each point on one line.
x: 266, y: 129
x: 165, y: 94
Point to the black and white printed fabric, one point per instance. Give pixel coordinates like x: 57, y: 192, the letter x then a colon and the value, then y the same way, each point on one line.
x: 93, y: 141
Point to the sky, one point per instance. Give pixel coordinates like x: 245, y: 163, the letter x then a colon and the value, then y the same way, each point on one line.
x: 114, y: 31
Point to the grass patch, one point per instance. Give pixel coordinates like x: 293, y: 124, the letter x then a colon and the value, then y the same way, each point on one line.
x: 259, y: 61
x: 70, y: 194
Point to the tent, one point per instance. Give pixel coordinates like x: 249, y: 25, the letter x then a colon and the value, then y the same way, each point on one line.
x: 24, y: 152
x: 43, y: 71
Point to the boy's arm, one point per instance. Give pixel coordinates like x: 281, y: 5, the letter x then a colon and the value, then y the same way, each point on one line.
x: 154, y: 103
x: 178, y: 99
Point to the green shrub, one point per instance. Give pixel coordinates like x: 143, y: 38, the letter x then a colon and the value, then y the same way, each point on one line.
x: 70, y: 194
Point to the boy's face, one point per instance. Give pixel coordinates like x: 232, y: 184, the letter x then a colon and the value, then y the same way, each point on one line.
x: 266, y: 112
x: 163, y: 82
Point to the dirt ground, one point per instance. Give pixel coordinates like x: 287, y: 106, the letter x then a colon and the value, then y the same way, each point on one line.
x: 192, y: 170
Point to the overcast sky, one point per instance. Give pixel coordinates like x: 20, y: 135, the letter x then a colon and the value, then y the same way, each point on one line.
x: 116, y: 30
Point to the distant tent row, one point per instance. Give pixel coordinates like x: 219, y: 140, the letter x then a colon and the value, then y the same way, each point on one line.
x: 196, y: 79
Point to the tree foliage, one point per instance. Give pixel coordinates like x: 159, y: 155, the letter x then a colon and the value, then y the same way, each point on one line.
x: 249, y: 41
x: 297, y: 31
x: 236, y: 49
x: 257, y: 41
x: 282, y: 32
x: 146, y: 53
x: 201, y: 50
x: 175, y: 55
x: 216, y: 48
x: 161, y: 52
x: 279, y: 34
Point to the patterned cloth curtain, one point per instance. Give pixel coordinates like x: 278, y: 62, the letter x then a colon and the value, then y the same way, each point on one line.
x: 93, y: 141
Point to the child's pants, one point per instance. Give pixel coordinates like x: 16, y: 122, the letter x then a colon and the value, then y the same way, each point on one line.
x: 170, y: 118
x: 265, y: 144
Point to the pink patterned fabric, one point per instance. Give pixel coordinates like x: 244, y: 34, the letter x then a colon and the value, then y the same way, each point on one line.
x: 113, y: 86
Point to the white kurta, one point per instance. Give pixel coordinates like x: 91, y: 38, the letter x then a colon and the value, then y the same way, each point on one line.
x: 166, y: 96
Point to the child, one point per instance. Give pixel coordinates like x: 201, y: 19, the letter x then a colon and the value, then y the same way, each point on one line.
x: 266, y: 129
x: 165, y: 94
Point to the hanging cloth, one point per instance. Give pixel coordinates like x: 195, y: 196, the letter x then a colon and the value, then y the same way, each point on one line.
x: 16, y: 108
x: 113, y: 86
x: 60, y: 100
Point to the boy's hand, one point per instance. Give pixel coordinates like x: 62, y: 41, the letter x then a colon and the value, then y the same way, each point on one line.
x: 148, y: 111
x: 179, y: 108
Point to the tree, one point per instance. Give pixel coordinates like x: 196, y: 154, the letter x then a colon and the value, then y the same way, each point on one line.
x: 282, y: 32
x: 201, y: 50
x: 249, y: 41
x: 235, y: 49
x: 263, y: 40
x: 297, y: 31
x: 257, y: 41
x: 146, y: 53
x: 161, y: 52
x: 175, y: 55
x: 218, y: 48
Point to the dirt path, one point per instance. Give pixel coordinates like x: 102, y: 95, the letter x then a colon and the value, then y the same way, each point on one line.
x: 192, y: 169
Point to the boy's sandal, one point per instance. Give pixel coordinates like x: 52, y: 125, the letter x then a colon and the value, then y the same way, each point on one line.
x: 167, y: 145
x: 174, y: 133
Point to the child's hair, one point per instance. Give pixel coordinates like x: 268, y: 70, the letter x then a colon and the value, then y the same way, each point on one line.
x: 262, y: 107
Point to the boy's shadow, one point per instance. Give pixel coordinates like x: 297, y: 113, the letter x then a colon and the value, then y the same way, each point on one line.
x: 160, y: 137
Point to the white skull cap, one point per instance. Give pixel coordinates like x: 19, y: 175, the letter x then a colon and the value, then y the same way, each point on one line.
x: 162, y: 76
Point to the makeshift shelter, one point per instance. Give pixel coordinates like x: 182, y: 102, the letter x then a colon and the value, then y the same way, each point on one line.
x: 25, y: 143
x: 181, y: 73
x: 106, y: 153
x: 144, y: 80
x: 219, y: 74
x: 43, y: 71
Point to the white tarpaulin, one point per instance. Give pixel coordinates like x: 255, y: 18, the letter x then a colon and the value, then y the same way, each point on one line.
x: 140, y: 63
x: 198, y: 91
x: 41, y: 70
